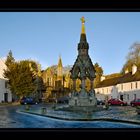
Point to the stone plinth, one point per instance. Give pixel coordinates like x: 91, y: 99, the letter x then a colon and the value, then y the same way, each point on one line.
x: 83, y: 99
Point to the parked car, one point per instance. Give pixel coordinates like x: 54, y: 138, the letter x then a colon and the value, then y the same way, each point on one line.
x: 28, y: 100
x: 100, y: 102
x: 135, y: 102
x: 116, y: 102
x: 64, y: 99
x: 52, y: 100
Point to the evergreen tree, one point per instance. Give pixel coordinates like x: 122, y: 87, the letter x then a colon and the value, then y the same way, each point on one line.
x: 10, y: 59
x: 21, y: 77
x: 38, y: 82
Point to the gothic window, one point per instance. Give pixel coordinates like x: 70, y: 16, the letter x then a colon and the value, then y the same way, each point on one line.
x: 51, y: 81
x: 48, y: 81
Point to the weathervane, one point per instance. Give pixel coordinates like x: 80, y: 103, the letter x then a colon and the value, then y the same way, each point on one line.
x: 83, y: 20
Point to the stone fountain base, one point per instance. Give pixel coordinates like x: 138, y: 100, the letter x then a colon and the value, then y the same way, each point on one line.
x: 83, y: 99
x: 83, y: 109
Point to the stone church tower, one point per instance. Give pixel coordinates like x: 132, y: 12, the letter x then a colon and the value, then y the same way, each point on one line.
x: 59, y: 80
x: 60, y: 69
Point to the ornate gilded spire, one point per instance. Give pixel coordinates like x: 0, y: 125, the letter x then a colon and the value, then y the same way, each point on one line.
x: 83, y: 25
x: 83, y: 33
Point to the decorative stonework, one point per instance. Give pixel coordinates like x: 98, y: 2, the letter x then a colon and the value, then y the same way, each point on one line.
x: 83, y: 69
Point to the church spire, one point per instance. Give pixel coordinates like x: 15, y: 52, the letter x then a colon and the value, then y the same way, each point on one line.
x: 59, y: 69
x: 60, y: 62
x: 83, y: 33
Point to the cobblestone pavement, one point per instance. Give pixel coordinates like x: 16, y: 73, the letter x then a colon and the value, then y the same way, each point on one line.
x: 11, y: 117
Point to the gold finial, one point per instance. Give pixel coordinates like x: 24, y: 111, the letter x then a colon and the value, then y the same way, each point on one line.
x: 83, y: 25
x: 83, y: 20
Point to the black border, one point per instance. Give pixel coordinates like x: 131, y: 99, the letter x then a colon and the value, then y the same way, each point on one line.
x: 87, y: 134
x: 70, y: 6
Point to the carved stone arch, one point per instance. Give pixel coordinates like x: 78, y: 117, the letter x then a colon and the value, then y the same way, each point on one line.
x: 75, y: 71
x: 91, y: 72
x: 82, y: 72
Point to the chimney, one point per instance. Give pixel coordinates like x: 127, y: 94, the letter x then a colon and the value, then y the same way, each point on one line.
x: 126, y: 71
x: 134, y: 69
x: 102, y: 78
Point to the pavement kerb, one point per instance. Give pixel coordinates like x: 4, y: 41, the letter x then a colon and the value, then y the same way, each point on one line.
x: 93, y: 119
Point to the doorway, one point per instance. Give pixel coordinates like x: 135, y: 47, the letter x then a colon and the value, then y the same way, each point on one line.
x: 5, y: 97
x: 121, y: 97
x: 134, y: 96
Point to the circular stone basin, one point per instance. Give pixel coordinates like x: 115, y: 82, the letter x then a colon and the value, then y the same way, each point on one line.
x: 94, y: 123
x: 83, y: 109
x: 69, y: 114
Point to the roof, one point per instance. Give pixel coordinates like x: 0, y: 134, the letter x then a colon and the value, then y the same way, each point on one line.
x: 108, y: 82
x: 60, y: 62
x: 120, y: 79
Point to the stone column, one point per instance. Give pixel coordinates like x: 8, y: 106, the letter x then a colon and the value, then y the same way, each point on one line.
x: 74, y: 84
x: 91, y: 84
x: 92, y: 91
x: 83, y: 83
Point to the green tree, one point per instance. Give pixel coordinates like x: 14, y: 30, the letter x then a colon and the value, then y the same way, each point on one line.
x: 21, y: 77
x: 133, y: 57
x: 38, y: 82
x: 99, y: 73
x: 10, y: 59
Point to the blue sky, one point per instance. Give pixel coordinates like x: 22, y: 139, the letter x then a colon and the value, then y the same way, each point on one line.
x: 43, y: 36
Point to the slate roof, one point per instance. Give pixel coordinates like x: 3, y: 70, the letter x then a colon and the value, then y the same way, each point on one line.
x: 120, y: 79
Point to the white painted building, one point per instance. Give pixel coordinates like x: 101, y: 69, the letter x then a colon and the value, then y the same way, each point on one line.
x: 5, y: 94
x: 125, y: 87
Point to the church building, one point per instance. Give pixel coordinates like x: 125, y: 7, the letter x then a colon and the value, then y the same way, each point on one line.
x: 56, y: 79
